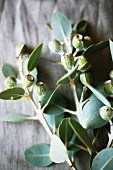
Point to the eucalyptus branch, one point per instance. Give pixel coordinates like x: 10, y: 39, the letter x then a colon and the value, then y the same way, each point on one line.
x: 69, y: 42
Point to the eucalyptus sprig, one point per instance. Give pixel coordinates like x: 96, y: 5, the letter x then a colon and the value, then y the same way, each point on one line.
x: 66, y: 120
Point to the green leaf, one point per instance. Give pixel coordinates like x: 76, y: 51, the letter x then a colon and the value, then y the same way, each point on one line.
x: 34, y: 57
x: 55, y: 107
x: 101, y: 139
x: 60, y: 26
x: 65, y: 131
x: 9, y: 70
x: 90, y: 117
x: 81, y: 134
x: 12, y: 94
x: 100, y: 96
x: 82, y: 160
x: 38, y: 155
x: 65, y: 78
x: 58, y: 152
x: 54, y: 120
x: 111, y: 48
x: 34, y: 72
x: 95, y: 48
x: 80, y: 27
x: 14, y: 117
x: 103, y: 160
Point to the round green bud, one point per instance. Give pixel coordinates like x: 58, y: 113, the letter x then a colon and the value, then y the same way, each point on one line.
x: 69, y: 59
x: 11, y: 82
x: 106, y: 113
x: 77, y: 41
x: 40, y: 89
x: 55, y: 46
x: 108, y: 88
x: 111, y: 75
x: 83, y: 64
x: 29, y: 80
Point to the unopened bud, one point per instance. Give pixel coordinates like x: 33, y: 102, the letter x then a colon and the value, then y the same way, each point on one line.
x: 77, y: 41
x: 55, y: 46
x: 29, y: 80
x: 40, y: 89
x: 83, y: 64
x: 106, y: 113
x: 108, y: 88
x: 69, y: 59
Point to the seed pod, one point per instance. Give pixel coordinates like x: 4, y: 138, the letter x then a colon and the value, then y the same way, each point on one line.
x: 29, y: 80
x: 55, y: 46
x: 83, y: 64
x: 106, y: 113
x: 11, y: 82
x: 69, y: 59
x: 40, y: 89
x: 77, y: 41
x: 108, y: 88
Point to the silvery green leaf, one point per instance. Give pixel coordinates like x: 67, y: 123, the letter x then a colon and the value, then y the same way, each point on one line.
x: 14, y: 117
x: 103, y: 160
x: 61, y: 26
x: 58, y: 152
x: 9, y: 70
x: 38, y: 155
x: 100, y: 96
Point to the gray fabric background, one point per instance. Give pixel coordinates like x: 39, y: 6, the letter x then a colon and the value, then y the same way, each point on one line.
x: 23, y: 21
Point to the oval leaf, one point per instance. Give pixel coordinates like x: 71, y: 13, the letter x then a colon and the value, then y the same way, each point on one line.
x: 56, y: 106
x: 12, y: 94
x: 9, y: 70
x: 14, y: 117
x: 104, y: 160
x: 34, y: 57
x: 38, y: 155
x: 60, y: 26
x: 95, y: 48
x: 65, y: 131
x: 81, y: 134
x: 58, y: 152
x: 100, y: 96
x: 54, y: 120
x: 111, y: 48
x: 90, y: 117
